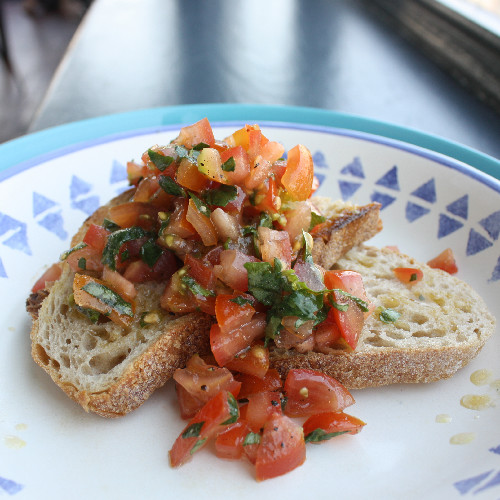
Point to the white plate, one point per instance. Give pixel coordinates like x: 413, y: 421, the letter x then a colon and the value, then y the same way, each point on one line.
x: 52, y: 449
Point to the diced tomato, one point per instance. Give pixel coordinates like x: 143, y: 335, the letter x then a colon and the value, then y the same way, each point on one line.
x: 199, y: 132
x: 202, y: 224
x: 119, y: 284
x: 146, y: 189
x: 96, y: 236
x: 298, y: 219
x: 408, y: 275
x: 51, y: 274
x: 267, y: 199
x: 201, y: 272
x: 260, y: 407
x: 309, y: 273
x: 230, y: 314
x: 136, y: 172
x: 234, y: 207
x: 232, y: 270
x: 275, y: 244
x: 327, y: 334
x: 202, y: 382
x: 241, y: 165
x: 86, y: 258
x: 139, y: 272
x: 210, y: 165
x: 86, y: 300
x: 254, y: 361
x: 256, y: 140
x: 445, y: 261
x: 309, y: 392
x: 331, y: 423
x: 178, y: 224
x: 220, y: 411
x: 134, y: 214
x: 298, y: 177
x: 176, y: 298
x: 282, y: 448
x: 251, y: 384
x: 241, y: 136
x: 315, y: 185
x: 226, y: 344
x: 230, y: 442
x: 190, y: 177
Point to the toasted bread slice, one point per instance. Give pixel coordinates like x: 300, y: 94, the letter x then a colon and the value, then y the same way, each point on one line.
x: 443, y: 324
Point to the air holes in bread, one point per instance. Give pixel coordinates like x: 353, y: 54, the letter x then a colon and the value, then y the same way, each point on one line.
x: 41, y: 354
x: 104, y: 363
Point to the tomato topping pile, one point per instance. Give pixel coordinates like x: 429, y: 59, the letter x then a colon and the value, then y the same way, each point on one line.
x: 261, y: 426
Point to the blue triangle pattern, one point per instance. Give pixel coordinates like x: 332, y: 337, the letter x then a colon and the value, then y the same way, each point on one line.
x: 494, y: 481
x: 497, y: 449
x: 319, y: 160
x: 19, y: 239
x: 495, y: 276
x: 3, y: 272
x: 41, y: 204
x: 447, y: 225
x: 54, y: 223
x: 467, y: 485
x: 88, y: 205
x: 320, y: 177
x: 354, y: 168
x: 426, y: 191
x: 347, y: 189
x: 9, y: 486
x: 414, y: 211
x: 476, y: 243
x: 78, y: 187
x: 460, y: 207
x: 118, y: 172
x: 492, y: 224
x: 384, y: 199
x: 390, y: 179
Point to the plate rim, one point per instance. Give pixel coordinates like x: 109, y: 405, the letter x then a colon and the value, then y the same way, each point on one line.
x: 34, y: 145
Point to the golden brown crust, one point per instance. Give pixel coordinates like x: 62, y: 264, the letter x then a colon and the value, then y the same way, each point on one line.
x: 338, y: 235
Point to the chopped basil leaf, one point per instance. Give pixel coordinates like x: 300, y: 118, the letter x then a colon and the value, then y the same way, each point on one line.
x: 124, y: 255
x: 316, y: 219
x: 221, y: 196
x: 233, y: 410
x: 195, y: 287
x: 265, y: 282
x: 413, y: 277
x: 200, y: 205
x: 241, y: 301
x: 193, y: 430
x: 116, y: 240
x: 89, y: 313
x: 161, y: 162
x: 150, y: 253
x: 251, y: 438
x: 109, y: 297
x: 229, y: 165
x: 82, y: 263
x: 318, y: 435
x: 338, y: 305
x: 189, y: 154
x: 110, y: 225
x: 170, y: 186
x: 200, y: 146
x: 67, y: 253
x: 197, y: 446
x: 389, y: 315
x: 265, y: 220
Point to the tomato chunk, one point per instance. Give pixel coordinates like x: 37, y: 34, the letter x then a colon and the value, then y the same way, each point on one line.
x: 51, y: 274
x: 251, y: 384
x: 408, y: 275
x: 299, y: 173
x: 282, y: 448
x: 309, y: 392
x: 323, y: 426
x: 230, y: 443
x: 261, y: 406
x: 220, y: 411
x: 445, y: 261
x: 254, y: 361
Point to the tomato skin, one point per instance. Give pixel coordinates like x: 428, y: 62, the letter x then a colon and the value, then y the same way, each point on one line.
x: 333, y: 422
x: 96, y: 237
x: 231, y: 315
x: 309, y: 392
x: 408, y: 275
x: 202, y: 224
x: 195, y: 134
x: 299, y: 174
x: 139, y: 272
x: 229, y: 443
x: 201, y: 272
x: 251, y: 384
x: 219, y: 411
x: 282, y: 448
x: 444, y: 261
x: 261, y: 406
x: 231, y: 270
x: 134, y: 213
x: 190, y: 177
x: 275, y: 244
x: 51, y: 274
x: 87, y: 255
x: 254, y: 361
x: 242, y: 164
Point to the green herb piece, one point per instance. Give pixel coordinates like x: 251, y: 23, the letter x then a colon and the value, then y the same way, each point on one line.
x: 234, y: 410
x: 200, y: 205
x: 318, y: 435
x: 109, y: 297
x: 241, y: 301
x: 91, y: 314
x: 116, y: 240
x: 170, y: 186
x: 221, y: 196
x: 251, y: 438
x: 265, y: 282
x: 125, y: 255
x: 150, y: 253
x: 338, y: 305
x: 197, y: 446
x: 229, y: 165
x: 110, y: 225
x: 193, y: 430
x: 316, y: 219
x: 67, y: 253
x: 195, y: 287
x: 265, y: 220
x: 389, y: 315
x: 201, y: 146
x: 82, y: 263
x: 413, y: 277
x: 161, y: 162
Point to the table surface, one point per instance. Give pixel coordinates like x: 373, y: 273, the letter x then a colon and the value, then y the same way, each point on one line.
x: 329, y: 54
